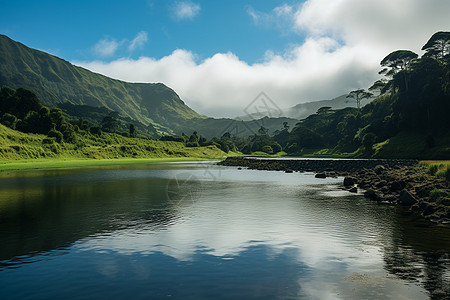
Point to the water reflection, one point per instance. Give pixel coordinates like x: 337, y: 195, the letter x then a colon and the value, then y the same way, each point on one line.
x: 254, y: 234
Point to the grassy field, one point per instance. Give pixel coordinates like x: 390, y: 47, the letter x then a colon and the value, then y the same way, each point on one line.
x: 20, y: 151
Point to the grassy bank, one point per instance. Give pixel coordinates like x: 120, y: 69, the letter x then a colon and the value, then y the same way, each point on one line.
x: 43, y: 164
x: 438, y: 168
x: 21, y: 151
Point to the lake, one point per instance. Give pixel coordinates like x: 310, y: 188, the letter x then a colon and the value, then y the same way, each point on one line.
x: 200, y: 231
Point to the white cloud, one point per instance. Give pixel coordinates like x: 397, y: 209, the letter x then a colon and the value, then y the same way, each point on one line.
x: 185, y: 10
x: 106, y: 47
x: 281, y: 17
x: 345, y: 42
x: 140, y: 39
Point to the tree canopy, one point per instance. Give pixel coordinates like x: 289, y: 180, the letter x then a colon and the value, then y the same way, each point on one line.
x: 358, y: 95
x: 438, y: 46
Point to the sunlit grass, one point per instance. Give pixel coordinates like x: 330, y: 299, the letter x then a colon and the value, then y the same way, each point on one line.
x: 438, y: 168
x: 20, y: 151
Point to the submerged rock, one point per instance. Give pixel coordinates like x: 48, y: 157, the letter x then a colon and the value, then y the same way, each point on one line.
x: 321, y: 175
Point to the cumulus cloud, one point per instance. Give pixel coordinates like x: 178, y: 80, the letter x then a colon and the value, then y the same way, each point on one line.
x: 140, y: 39
x: 345, y: 41
x: 106, y: 47
x: 281, y: 17
x: 185, y: 10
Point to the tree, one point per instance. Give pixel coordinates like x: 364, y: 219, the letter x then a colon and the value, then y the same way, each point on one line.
x: 27, y: 101
x: 324, y: 110
x: 110, y: 124
x: 57, y: 117
x: 263, y: 131
x: 132, y: 130
x: 381, y: 86
x: 359, y: 95
x: 285, y: 126
x: 398, y: 61
x: 367, y: 141
x: 9, y: 120
x: 267, y: 149
x: 438, y: 46
x: 55, y: 134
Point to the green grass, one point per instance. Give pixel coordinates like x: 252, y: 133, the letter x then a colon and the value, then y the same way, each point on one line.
x: 413, y: 145
x: 39, y: 164
x: 438, y: 168
x: 29, y: 151
x: 264, y: 154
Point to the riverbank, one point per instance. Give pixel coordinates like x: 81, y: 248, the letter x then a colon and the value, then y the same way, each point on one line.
x: 48, y: 164
x: 394, y: 182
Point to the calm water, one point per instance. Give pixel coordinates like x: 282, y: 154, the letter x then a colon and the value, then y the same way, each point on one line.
x: 200, y: 231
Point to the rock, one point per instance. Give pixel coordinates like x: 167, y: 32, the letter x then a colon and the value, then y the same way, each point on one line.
x: 349, y: 181
x: 353, y: 190
x: 397, y: 186
x: 239, y: 168
x: 380, y: 183
x: 372, y: 195
x: 390, y: 198
x: 406, y: 198
x: 428, y: 210
x: 288, y: 171
x: 321, y: 175
x: 379, y: 169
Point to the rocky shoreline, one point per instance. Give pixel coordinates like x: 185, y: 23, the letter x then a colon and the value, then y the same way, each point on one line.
x: 394, y: 182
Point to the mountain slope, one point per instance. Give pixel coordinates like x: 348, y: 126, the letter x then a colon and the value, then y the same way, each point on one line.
x: 55, y: 81
x: 303, y: 110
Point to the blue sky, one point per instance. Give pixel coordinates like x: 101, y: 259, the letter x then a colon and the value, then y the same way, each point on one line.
x: 72, y: 29
x: 219, y: 55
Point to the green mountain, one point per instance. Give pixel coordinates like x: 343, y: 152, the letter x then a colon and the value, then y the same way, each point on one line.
x: 57, y: 81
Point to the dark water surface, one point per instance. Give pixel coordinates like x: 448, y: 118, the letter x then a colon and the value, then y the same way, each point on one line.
x: 200, y: 231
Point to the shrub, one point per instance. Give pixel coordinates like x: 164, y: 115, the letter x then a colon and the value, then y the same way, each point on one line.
x: 443, y: 173
x: 192, y: 144
x: 432, y: 169
x: 48, y: 140
x: 276, y: 147
x: 173, y: 138
x: 55, y: 134
x: 95, y: 130
x: 267, y: 149
x: 368, y: 140
x: 9, y: 120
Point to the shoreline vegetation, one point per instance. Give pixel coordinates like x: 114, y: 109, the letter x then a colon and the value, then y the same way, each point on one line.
x: 417, y: 187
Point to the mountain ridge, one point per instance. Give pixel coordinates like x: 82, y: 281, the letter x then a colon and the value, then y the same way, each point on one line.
x: 56, y: 80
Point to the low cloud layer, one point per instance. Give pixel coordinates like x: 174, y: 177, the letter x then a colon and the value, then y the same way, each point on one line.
x: 345, y: 42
